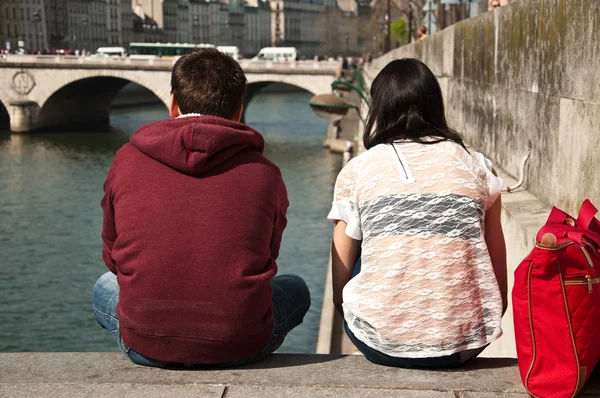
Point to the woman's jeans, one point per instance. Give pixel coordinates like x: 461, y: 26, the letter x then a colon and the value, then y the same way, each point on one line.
x: 291, y: 300
x: 380, y: 358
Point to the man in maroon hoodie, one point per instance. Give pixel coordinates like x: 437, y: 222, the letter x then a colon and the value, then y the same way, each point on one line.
x: 193, y: 218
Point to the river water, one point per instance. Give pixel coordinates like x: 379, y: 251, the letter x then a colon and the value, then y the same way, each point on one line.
x: 50, y: 221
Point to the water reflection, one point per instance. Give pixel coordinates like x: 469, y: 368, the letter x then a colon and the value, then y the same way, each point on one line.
x: 50, y: 221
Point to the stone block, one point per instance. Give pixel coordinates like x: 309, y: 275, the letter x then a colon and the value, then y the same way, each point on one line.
x: 301, y: 392
x: 127, y: 390
x: 474, y: 49
x: 491, y: 395
x: 517, y: 46
x: 574, y: 173
x: 448, y: 49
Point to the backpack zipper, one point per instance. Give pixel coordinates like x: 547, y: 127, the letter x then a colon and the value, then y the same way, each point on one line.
x: 586, y: 254
x: 585, y: 280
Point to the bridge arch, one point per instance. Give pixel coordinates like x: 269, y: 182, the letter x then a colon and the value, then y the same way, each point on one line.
x: 314, y: 84
x: 4, y: 117
x: 254, y: 88
x: 85, y: 101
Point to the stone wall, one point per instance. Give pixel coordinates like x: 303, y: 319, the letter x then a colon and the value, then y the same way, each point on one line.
x: 525, y: 77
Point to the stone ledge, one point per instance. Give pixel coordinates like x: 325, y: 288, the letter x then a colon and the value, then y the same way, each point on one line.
x: 91, y: 374
x: 523, y: 214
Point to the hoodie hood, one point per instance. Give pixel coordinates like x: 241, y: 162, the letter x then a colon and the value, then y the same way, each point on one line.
x: 197, y: 144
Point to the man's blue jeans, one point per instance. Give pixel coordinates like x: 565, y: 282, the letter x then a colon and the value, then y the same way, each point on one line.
x: 291, y: 300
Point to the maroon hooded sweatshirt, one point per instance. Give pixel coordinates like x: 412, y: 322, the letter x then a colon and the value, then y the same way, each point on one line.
x: 193, y: 218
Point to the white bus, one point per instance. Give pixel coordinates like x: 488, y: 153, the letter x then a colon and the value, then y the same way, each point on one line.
x: 277, y: 54
x: 163, y: 50
x: 110, y: 52
x: 232, y: 51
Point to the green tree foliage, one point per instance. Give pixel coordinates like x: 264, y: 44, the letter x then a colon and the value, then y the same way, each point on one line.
x: 399, y: 32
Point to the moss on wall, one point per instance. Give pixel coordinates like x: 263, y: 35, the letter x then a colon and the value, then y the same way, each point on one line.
x: 526, y: 77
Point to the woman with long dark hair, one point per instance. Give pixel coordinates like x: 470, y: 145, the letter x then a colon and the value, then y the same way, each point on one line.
x: 418, y: 225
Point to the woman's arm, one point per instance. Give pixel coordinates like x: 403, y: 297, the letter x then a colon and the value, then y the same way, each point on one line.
x: 494, y: 238
x: 344, y: 254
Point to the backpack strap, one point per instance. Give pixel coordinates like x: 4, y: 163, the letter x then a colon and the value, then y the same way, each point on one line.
x: 557, y: 216
x: 586, y: 218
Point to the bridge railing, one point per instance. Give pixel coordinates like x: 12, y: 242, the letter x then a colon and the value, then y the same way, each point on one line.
x: 247, y: 65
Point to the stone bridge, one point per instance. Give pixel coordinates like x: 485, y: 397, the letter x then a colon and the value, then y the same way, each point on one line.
x: 46, y: 91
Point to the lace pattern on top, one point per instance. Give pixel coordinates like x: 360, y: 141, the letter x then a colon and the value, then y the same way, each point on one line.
x: 426, y: 286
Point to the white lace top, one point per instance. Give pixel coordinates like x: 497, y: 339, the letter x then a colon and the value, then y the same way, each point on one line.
x: 426, y: 286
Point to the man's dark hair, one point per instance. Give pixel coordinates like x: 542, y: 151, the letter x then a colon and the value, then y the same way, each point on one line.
x: 208, y: 82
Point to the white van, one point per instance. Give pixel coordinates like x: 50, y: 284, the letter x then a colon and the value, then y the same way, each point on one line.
x: 110, y: 52
x: 277, y: 54
x: 232, y: 51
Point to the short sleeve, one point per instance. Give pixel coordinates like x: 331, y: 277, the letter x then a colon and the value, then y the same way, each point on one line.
x: 494, y: 183
x: 345, y: 204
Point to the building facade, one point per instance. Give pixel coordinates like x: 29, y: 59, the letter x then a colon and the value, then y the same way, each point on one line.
x: 89, y: 24
x: 339, y: 22
x: 146, y: 30
x: 233, y: 28
x: 34, y: 32
x: 10, y: 24
x: 113, y: 22
x: 184, y: 31
x: 125, y: 22
x: 57, y: 23
x: 257, y: 15
x: 296, y: 23
x: 170, y: 20
x: 205, y: 21
x: 312, y: 26
x: 316, y: 27
x: 153, y: 9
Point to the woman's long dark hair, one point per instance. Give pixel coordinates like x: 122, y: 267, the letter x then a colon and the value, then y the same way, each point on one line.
x: 407, y: 104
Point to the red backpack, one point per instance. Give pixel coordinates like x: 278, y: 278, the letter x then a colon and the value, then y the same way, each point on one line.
x: 556, y: 305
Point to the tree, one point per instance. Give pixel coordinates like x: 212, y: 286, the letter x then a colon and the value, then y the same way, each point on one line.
x: 399, y: 32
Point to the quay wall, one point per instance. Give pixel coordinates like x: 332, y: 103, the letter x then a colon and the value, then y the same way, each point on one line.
x: 524, y: 78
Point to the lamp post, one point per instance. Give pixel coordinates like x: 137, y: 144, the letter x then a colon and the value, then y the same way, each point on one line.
x: 346, y: 85
x: 331, y: 107
x: 84, y: 22
x: 196, y: 22
x: 36, y: 21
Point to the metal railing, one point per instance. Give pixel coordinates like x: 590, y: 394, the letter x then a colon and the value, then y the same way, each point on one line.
x: 247, y: 65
